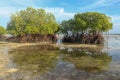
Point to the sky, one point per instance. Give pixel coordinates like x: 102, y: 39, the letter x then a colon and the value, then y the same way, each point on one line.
x: 63, y: 9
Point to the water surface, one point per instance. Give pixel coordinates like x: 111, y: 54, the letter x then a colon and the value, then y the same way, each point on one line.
x: 44, y: 63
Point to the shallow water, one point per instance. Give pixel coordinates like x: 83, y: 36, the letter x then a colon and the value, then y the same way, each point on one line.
x: 34, y: 64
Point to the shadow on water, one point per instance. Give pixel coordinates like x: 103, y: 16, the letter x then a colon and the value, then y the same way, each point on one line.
x: 44, y: 62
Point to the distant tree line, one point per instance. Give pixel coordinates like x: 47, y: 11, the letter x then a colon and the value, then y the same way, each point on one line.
x: 35, y: 25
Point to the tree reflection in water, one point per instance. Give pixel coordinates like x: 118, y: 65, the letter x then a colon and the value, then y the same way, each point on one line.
x: 34, y: 59
x: 90, y: 60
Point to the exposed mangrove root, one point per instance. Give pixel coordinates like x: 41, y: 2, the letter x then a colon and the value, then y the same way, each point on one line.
x: 2, y: 38
x: 33, y: 38
x: 84, y: 39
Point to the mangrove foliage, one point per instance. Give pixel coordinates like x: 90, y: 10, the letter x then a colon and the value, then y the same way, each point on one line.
x: 32, y: 25
x: 86, y: 28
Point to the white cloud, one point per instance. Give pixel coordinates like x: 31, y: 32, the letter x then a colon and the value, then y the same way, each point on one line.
x: 24, y: 2
x: 6, y: 11
x: 7, y: 7
x: 111, y: 2
x: 99, y: 3
x: 16, y: 3
x: 60, y: 14
x: 116, y: 24
x: 64, y: 4
x: 115, y: 18
x: 55, y: 10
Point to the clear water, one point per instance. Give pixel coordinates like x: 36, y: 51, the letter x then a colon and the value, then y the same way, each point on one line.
x: 36, y: 64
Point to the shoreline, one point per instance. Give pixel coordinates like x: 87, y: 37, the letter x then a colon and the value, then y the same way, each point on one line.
x: 12, y: 45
